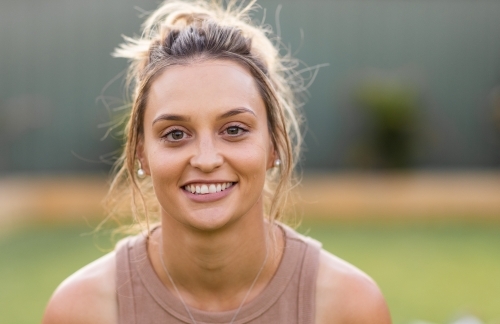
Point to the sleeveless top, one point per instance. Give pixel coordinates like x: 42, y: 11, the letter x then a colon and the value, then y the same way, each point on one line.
x: 288, y: 298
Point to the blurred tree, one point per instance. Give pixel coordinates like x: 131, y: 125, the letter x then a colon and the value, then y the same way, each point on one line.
x: 391, y: 109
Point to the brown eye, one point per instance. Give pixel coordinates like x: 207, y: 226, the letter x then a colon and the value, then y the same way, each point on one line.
x: 175, y: 135
x: 233, y: 130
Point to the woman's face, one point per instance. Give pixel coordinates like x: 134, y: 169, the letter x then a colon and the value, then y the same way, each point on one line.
x: 206, y: 144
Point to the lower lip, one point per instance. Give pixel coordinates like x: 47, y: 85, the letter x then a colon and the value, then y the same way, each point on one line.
x: 210, y: 196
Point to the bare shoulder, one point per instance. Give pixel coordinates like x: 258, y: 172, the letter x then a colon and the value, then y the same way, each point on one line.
x: 346, y: 295
x: 87, y: 296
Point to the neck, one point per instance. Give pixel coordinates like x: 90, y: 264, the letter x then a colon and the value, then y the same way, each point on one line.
x: 213, y: 270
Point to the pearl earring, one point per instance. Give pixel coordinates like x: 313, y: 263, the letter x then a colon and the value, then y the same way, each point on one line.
x: 277, y: 163
x: 141, y: 174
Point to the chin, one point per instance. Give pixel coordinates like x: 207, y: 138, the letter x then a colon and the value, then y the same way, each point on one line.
x: 209, y: 220
x: 211, y: 225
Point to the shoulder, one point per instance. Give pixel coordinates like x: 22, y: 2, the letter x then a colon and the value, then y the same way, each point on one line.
x: 87, y: 296
x: 346, y: 295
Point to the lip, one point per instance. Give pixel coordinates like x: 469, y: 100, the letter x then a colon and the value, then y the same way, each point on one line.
x: 209, y: 197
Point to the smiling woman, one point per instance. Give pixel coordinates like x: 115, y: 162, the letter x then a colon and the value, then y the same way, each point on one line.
x: 214, y: 135
x: 212, y: 140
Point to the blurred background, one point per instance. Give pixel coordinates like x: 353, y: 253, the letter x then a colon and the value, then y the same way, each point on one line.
x: 401, y: 172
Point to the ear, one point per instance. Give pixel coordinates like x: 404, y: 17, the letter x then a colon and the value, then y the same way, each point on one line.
x: 142, y: 156
x: 272, y: 156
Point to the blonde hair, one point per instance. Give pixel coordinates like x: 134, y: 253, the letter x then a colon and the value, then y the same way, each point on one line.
x: 188, y: 31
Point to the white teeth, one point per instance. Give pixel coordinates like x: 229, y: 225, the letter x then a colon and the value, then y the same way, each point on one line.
x: 207, y: 188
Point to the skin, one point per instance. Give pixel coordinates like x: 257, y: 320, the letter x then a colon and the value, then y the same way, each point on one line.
x: 206, y: 122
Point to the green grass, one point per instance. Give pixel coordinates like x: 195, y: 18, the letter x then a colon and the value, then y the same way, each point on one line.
x: 429, y: 272
x: 34, y: 260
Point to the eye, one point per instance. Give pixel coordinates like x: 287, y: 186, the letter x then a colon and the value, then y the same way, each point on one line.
x: 175, y: 135
x: 234, y: 130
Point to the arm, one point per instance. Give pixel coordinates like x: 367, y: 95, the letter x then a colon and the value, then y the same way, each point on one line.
x: 346, y: 295
x: 87, y: 296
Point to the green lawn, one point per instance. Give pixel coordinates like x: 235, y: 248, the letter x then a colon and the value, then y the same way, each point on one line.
x: 431, y: 272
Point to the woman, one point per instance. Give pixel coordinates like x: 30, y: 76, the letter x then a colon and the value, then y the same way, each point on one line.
x: 212, y: 140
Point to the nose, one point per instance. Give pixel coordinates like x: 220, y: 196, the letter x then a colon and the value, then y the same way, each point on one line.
x: 207, y: 157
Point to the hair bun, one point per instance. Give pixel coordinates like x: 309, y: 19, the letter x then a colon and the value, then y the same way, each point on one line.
x: 184, y: 19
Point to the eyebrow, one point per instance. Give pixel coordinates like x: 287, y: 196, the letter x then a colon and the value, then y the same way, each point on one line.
x: 170, y: 117
x: 228, y: 114
x: 236, y: 111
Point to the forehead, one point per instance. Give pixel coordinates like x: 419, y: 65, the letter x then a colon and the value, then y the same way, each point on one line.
x: 209, y: 86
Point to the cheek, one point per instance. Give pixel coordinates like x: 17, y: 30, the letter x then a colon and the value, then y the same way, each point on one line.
x: 165, y: 168
x: 259, y: 153
x: 250, y: 161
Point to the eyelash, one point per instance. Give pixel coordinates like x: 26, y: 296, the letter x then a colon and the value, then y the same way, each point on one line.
x: 170, y: 132
x: 238, y: 127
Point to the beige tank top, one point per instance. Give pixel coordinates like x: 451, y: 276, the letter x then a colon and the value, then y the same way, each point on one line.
x: 289, y: 297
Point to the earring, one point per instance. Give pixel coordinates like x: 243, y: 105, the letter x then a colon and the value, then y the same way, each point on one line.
x: 141, y: 174
x: 277, y: 163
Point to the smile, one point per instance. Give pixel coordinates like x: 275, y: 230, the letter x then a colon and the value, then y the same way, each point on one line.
x: 208, y: 188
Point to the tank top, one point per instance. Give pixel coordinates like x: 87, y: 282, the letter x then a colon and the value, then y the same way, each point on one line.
x: 288, y: 298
